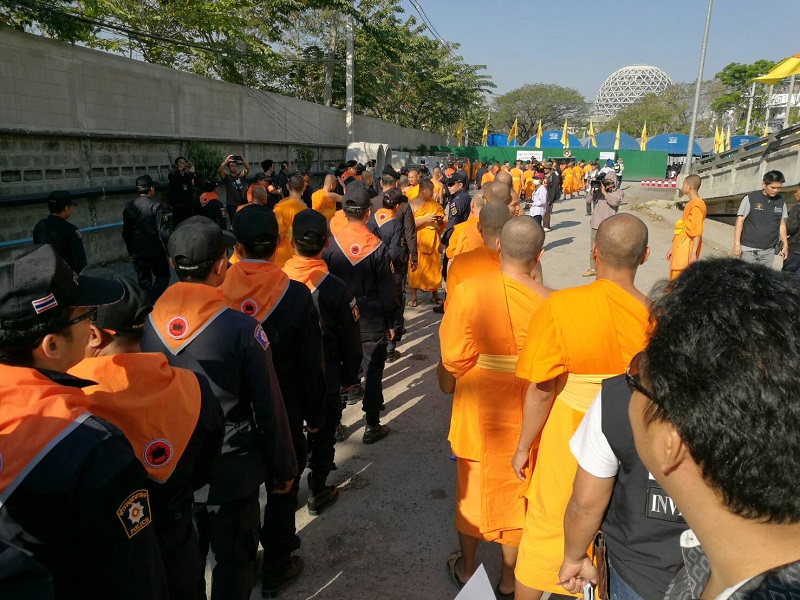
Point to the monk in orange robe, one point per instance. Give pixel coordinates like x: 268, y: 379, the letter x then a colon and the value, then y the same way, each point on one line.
x: 467, y: 236
x: 568, y: 181
x: 324, y: 200
x: 516, y: 177
x: 285, y: 210
x: 687, y: 240
x: 527, y: 182
x: 429, y: 219
x: 578, y: 337
x: 579, y: 183
x: 438, y: 186
x: 412, y: 191
x: 481, y: 335
x: 488, y: 177
x: 485, y: 258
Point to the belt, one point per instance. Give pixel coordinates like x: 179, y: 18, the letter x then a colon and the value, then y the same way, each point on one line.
x: 580, y: 390
x: 502, y: 363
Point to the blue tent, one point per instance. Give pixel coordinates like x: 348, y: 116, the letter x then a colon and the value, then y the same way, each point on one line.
x: 673, y: 143
x: 741, y: 140
x: 552, y: 139
x: 605, y: 141
x: 499, y: 139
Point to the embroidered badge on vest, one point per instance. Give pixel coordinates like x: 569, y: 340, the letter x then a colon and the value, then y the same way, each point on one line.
x: 355, y: 249
x: 157, y: 453
x: 249, y: 307
x: 134, y: 513
x: 177, y: 328
x: 261, y: 337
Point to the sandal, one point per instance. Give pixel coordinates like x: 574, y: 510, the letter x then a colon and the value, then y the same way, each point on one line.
x: 500, y: 595
x: 412, y: 303
x: 452, y: 561
x: 436, y: 301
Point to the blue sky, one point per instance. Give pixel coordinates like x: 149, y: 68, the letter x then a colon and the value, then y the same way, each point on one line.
x: 578, y: 43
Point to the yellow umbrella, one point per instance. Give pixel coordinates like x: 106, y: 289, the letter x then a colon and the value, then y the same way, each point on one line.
x: 786, y: 68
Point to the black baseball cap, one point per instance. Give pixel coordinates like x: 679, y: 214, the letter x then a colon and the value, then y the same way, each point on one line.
x: 259, y: 176
x: 360, y: 169
x: 456, y: 178
x: 309, y: 225
x: 356, y: 195
x: 350, y: 164
x: 144, y: 183
x: 199, y: 240
x: 256, y: 225
x: 129, y: 314
x: 37, y: 281
x: 389, y: 170
x: 59, y: 200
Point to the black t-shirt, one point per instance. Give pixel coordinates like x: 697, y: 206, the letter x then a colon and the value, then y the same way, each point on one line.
x: 234, y: 190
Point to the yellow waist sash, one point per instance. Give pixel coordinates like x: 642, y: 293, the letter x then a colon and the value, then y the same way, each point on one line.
x: 580, y: 390
x: 679, y: 227
x: 501, y: 363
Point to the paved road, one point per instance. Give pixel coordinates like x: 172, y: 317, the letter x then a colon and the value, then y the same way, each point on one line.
x: 392, y: 529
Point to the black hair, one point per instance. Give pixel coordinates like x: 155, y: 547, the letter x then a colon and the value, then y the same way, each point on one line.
x: 721, y: 365
x: 355, y: 212
x: 266, y: 165
x: 388, y: 180
x: 296, y: 183
x: 17, y: 345
x: 261, y: 250
x: 209, y: 186
x: 183, y: 158
x: 284, y: 164
x: 309, y: 246
x: 199, y: 272
x: 392, y: 200
x: 773, y: 177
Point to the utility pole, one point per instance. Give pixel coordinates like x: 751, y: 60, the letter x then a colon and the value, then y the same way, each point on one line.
x: 330, y: 62
x: 687, y: 166
x: 348, y: 119
x: 750, y: 109
x: 788, y: 103
x: 769, y: 99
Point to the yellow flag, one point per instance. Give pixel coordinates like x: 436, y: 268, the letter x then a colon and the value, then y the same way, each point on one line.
x: 591, y: 134
x: 616, y: 139
x: 766, y: 130
x: 485, y: 134
x: 728, y: 139
x: 565, y: 136
x: 537, y: 143
x: 643, y: 143
x: 512, y: 135
x: 716, y: 139
x: 459, y: 131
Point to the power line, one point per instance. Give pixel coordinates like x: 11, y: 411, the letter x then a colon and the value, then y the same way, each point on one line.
x: 429, y: 24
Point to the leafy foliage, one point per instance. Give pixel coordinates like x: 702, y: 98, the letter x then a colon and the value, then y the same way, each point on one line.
x: 287, y: 46
x: 737, y: 79
x: 670, y: 111
x: 205, y: 159
x: 534, y: 101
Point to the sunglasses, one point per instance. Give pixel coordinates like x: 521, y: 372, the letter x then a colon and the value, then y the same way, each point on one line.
x: 90, y: 314
x: 632, y: 376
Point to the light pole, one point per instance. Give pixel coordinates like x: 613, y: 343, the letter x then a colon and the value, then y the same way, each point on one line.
x: 348, y: 119
x: 687, y: 166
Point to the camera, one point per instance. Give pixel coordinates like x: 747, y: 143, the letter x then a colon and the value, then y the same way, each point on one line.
x: 599, y: 179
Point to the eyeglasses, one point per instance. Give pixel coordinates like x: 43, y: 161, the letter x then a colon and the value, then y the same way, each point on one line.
x: 90, y: 314
x: 632, y: 375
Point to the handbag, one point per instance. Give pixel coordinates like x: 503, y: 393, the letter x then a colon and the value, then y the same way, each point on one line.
x: 447, y: 382
x: 601, y: 564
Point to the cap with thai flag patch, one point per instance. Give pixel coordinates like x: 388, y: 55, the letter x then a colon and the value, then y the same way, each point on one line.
x: 37, y: 281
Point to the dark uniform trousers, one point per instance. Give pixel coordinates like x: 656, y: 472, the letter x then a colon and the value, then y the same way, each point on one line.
x: 231, y: 531
x: 321, y: 444
x: 400, y: 275
x: 372, y: 365
x: 153, y: 275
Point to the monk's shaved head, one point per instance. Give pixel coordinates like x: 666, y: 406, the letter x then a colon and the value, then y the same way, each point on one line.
x: 521, y: 239
x: 498, y: 192
x: 694, y: 181
x: 330, y: 182
x: 504, y: 177
x: 622, y: 241
x: 259, y: 195
x: 492, y: 218
x: 478, y: 200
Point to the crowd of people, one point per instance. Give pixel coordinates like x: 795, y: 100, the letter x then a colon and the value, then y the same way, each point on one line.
x: 602, y: 438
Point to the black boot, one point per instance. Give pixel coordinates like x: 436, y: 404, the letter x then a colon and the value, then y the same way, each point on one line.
x: 320, y: 496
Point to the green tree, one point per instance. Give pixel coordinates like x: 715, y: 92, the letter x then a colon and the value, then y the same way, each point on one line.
x: 58, y: 18
x: 737, y: 80
x: 534, y: 101
x: 669, y: 111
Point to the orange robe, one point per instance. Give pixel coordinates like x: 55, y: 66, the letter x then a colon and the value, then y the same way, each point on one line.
x: 579, y: 336
x: 568, y: 181
x: 428, y: 276
x: 438, y: 187
x: 412, y: 192
x: 527, y: 184
x: 285, y: 210
x: 688, y: 227
x: 471, y: 264
x: 578, y: 183
x: 488, y: 177
x: 516, y: 180
x: 465, y: 237
x: 481, y: 335
x: 322, y: 203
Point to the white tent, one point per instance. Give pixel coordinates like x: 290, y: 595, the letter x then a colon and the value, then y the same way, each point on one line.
x: 364, y: 152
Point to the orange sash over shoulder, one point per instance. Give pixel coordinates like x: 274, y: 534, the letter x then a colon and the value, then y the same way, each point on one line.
x: 184, y: 311
x: 338, y: 222
x: 36, y: 413
x: 383, y: 216
x: 356, y: 242
x: 255, y: 287
x: 309, y: 271
x: 207, y: 197
x: 156, y: 406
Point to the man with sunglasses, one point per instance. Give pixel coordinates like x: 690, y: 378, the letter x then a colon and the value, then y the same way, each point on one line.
x: 583, y: 335
x: 72, y: 492
x: 715, y: 416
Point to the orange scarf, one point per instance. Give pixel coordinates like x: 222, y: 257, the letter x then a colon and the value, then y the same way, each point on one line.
x: 35, y: 414
x: 255, y: 287
x: 207, y: 197
x: 356, y: 242
x: 383, y: 216
x: 156, y: 406
x: 184, y: 311
x: 308, y: 271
